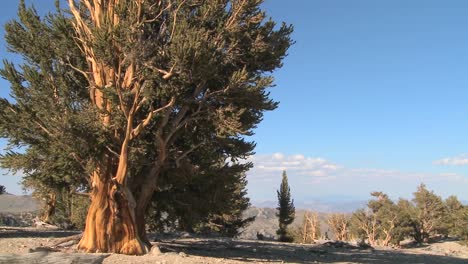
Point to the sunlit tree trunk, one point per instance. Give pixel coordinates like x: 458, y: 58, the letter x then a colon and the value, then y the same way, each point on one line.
x: 51, y: 204
x: 111, y: 223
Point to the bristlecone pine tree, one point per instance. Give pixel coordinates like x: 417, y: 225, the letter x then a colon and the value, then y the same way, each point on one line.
x: 429, y: 212
x: 457, y: 218
x: 286, y: 210
x: 339, y: 224
x: 310, y: 228
x: 378, y: 222
x: 112, y: 96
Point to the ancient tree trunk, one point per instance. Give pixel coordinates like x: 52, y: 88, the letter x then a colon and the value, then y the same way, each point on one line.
x: 51, y: 204
x: 111, y: 224
x: 116, y: 221
x: 310, y: 228
x: 304, y: 229
x: 388, y: 232
x: 140, y: 211
x: 339, y: 224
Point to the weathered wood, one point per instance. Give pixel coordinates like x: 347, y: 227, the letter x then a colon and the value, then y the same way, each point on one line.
x: 74, y: 239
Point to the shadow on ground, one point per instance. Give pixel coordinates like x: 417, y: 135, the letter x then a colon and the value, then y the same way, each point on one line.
x: 232, y: 249
x: 52, y: 258
x: 259, y: 251
x: 24, y: 233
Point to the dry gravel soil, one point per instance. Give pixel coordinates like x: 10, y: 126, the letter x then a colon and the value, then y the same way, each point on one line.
x: 26, y: 245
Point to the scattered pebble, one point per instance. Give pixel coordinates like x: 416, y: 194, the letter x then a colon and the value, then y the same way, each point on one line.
x: 155, y: 250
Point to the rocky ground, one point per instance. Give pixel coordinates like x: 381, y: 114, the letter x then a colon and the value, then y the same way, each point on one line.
x: 28, y: 245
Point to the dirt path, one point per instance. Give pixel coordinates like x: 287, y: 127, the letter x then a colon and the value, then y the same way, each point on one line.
x: 16, y: 246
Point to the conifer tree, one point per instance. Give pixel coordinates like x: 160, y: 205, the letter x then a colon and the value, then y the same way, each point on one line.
x: 208, y: 199
x: 310, y: 228
x: 111, y: 97
x: 456, y: 220
x: 49, y: 117
x: 378, y: 222
x: 406, y: 221
x: 430, y: 212
x: 339, y: 224
x: 285, y: 210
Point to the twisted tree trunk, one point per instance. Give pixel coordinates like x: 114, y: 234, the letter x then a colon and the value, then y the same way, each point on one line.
x: 51, y: 204
x: 111, y: 222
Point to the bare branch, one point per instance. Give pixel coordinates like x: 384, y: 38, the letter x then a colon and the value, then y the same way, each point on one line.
x: 80, y: 161
x: 166, y: 74
x: 112, y: 151
x: 159, y: 14
x: 188, y: 152
x: 175, y: 19
x: 137, y: 130
x: 82, y: 194
x: 78, y: 70
x: 234, y: 16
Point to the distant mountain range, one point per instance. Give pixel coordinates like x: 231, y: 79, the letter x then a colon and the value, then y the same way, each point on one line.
x: 323, y: 206
x: 26, y: 203
x: 10, y: 203
x: 266, y: 222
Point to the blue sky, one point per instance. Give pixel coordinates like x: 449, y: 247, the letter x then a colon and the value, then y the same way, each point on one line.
x: 373, y: 96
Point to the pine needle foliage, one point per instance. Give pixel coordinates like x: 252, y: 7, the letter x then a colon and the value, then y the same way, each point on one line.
x: 285, y: 211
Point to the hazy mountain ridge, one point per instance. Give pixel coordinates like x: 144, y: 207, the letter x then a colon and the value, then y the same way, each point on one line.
x: 10, y: 203
x: 266, y: 222
x: 324, y: 206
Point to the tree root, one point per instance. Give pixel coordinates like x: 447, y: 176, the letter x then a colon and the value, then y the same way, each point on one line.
x: 75, y: 239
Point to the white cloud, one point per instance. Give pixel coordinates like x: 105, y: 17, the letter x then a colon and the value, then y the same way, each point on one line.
x: 459, y: 160
x: 316, y: 176
x: 297, y: 165
x: 278, y: 156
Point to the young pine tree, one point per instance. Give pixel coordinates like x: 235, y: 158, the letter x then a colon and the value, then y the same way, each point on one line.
x: 286, y: 211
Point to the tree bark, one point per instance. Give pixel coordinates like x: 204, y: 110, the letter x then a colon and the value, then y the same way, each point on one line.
x: 145, y: 192
x: 110, y: 223
x: 51, y: 204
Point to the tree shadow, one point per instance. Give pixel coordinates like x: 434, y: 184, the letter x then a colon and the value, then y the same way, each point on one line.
x: 261, y: 251
x: 414, y: 244
x: 28, y: 233
x: 52, y: 257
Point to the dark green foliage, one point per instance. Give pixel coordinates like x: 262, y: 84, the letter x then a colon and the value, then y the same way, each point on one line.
x: 2, y: 189
x: 456, y: 220
x: 47, y: 120
x: 424, y: 217
x: 430, y: 213
x: 286, y: 210
x: 405, y: 222
x: 71, y: 210
x: 359, y: 222
x: 378, y: 224
x: 207, y: 199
